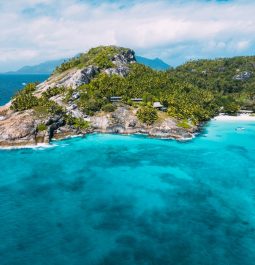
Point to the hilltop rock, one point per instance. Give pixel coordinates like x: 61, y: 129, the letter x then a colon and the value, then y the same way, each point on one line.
x: 124, y: 57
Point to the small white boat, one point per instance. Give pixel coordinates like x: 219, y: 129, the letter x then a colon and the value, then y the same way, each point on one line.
x: 23, y: 84
x: 240, y: 129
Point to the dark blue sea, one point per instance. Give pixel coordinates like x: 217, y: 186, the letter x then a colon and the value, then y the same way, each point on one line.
x: 10, y: 84
x: 131, y: 200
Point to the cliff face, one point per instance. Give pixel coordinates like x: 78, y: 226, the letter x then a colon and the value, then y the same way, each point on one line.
x: 124, y: 120
x: 23, y: 127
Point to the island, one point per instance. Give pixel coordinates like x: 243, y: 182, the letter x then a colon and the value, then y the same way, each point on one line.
x: 105, y: 90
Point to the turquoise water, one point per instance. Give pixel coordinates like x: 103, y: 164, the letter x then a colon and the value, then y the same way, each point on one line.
x: 10, y: 84
x: 109, y: 199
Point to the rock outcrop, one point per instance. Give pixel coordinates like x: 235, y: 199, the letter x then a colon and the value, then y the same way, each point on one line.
x: 74, y: 78
x: 70, y: 79
x: 124, y: 121
x: 17, y: 129
x: 20, y: 128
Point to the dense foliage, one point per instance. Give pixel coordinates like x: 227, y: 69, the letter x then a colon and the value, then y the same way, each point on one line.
x: 25, y: 99
x: 77, y: 123
x: 147, y: 115
x: 183, y: 99
x: 232, y: 77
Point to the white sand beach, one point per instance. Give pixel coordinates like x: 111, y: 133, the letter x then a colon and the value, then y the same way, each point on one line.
x: 240, y: 117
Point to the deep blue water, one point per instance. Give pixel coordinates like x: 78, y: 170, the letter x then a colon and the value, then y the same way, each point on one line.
x: 108, y: 199
x: 10, y: 84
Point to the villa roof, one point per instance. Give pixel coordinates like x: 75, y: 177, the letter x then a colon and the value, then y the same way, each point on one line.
x: 136, y: 99
x: 245, y: 111
x: 157, y: 105
x: 115, y: 97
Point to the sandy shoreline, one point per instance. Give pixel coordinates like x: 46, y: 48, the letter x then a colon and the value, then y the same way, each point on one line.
x: 241, y: 117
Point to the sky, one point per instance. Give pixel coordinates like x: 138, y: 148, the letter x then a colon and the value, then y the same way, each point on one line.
x: 34, y: 31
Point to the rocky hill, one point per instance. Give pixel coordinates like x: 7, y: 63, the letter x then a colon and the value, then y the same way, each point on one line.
x: 104, y: 90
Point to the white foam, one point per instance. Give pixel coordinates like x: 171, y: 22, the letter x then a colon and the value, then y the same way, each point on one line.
x: 38, y: 146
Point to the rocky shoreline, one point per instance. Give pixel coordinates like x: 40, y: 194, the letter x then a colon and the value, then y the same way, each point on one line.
x: 20, y: 128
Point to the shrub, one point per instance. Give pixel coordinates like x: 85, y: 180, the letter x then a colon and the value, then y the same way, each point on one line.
x: 51, y: 92
x: 147, y: 115
x: 68, y: 94
x: 77, y: 123
x: 183, y: 124
x: 24, y: 99
x: 41, y: 127
x: 231, y: 108
x: 109, y: 107
x: 24, y: 102
x: 90, y: 106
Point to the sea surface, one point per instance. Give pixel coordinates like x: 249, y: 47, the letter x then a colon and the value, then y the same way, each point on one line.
x: 10, y: 84
x: 131, y: 200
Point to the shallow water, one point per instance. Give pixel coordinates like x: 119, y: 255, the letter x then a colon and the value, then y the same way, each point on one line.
x: 109, y: 199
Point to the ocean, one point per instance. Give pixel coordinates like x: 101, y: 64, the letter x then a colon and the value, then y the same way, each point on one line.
x: 10, y: 84
x: 122, y: 200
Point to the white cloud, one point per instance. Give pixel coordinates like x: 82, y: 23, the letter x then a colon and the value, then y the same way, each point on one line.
x: 17, y: 54
x: 243, y: 45
x: 37, y: 30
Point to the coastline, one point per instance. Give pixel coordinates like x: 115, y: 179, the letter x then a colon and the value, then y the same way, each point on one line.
x: 240, y: 117
x: 66, y: 137
x: 221, y: 117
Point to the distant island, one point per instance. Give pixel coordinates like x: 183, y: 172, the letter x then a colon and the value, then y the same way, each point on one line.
x: 49, y: 66
x: 107, y: 90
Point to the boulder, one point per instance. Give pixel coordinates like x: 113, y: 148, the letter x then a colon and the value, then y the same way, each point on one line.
x: 124, y: 57
x: 121, y: 71
x: 243, y: 76
x: 18, y: 129
x: 80, y: 77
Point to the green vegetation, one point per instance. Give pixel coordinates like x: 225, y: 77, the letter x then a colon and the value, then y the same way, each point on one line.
x: 108, y: 107
x: 42, y: 106
x: 24, y: 99
x: 195, y: 91
x: 232, y: 77
x: 192, y: 93
x: 51, y: 92
x: 147, y: 115
x: 77, y: 123
x: 184, y: 100
x: 100, y: 56
x: 183, y: 124
x: 41, y: 127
